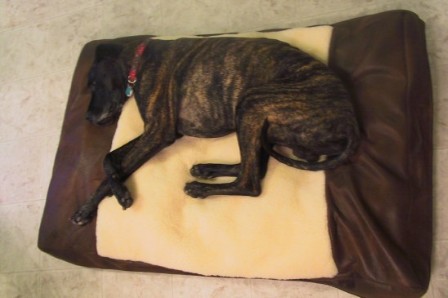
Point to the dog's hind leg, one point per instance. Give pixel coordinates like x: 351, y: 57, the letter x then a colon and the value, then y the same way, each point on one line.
x: 253, y: 160
x: 213, y: 170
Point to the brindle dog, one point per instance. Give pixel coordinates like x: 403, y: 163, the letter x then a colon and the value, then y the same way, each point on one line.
x: 268, y: 92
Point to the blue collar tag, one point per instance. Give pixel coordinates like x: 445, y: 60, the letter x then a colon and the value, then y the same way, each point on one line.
x: 129, y: 91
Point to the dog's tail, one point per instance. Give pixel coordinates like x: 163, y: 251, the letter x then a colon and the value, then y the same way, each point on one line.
x: 328, y: 163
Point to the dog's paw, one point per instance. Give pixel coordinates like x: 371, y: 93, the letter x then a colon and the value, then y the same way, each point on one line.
x: 83, y: 216
x: 214, y: 170
x: 195, y: 189
x: 201, y: 171
x: 126, y: 200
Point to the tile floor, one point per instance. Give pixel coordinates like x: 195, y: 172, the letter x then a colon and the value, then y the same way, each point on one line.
x: 39, y: 44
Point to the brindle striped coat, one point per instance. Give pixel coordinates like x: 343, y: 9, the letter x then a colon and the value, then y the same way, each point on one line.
x: 271, y: 94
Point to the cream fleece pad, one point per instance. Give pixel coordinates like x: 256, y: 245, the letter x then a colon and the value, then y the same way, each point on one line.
x: 282, y: 234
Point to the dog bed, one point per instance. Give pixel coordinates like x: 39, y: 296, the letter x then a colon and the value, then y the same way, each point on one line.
x: 281, y: 234
x: 372, y: 232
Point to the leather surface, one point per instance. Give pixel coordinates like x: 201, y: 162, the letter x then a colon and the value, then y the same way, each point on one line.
x: 380, y: 206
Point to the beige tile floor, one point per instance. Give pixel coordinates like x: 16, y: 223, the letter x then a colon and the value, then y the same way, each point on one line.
x: 39, y: 44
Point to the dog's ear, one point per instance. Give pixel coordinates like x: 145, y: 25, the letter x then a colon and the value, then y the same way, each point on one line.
x: 104, y: 51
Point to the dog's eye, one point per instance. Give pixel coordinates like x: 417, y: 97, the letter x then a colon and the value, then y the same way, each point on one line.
x: 91, y: 77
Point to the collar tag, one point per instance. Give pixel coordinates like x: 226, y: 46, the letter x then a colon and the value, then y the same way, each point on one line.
x: 129, y: 91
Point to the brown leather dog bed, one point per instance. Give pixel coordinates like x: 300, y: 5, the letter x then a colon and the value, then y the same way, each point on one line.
x: 378, y: 207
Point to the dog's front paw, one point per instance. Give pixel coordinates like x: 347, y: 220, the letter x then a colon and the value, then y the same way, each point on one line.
x: 84, y: 215
x: 195, y: 189
x: 126, y: 200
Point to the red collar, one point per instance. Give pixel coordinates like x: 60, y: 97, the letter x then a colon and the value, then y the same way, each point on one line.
x: 132, y: 77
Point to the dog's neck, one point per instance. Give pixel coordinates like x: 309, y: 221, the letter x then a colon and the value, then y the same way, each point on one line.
x: 132, y: 58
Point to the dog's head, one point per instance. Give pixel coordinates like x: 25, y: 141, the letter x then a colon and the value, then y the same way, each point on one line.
x: 107, y: 82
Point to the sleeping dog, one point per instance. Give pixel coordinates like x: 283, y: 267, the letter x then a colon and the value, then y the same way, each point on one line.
x: 271, y: 94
